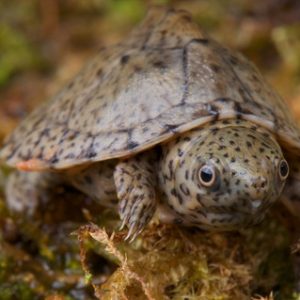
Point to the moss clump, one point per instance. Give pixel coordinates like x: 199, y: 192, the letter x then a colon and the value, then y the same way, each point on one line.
x: 18, y: 290
x: 166, y: 262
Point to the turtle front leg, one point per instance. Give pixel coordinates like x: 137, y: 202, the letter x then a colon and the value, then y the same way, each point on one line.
x: 25, y: 191
x: 135, y: 181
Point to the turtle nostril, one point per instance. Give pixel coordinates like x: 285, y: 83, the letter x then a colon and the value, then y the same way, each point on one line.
x: 259, y: 187
x: 259, y: 182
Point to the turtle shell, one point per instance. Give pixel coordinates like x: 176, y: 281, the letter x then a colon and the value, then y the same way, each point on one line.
x: 167, y: 77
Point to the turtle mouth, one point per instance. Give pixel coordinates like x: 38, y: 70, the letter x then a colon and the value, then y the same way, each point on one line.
x: 255, y: 206
x: 243, y: 220
x: 230, y: 222
x: 234, y: 219
x: 262, y: 205
x: 255, y: 211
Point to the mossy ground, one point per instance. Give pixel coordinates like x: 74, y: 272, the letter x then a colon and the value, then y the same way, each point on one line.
x: 42, y: 45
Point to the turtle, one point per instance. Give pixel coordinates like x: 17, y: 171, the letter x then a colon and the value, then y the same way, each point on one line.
x: 167, y: 122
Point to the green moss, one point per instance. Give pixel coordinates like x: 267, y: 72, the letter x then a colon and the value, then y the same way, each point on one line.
x: 16, y: 52
x: 13, y: 287
x: 287, y: 42
x: 120, y: 11
x: 17, y: 290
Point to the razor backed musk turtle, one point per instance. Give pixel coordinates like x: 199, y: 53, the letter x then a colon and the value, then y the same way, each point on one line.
x: 167, y: 119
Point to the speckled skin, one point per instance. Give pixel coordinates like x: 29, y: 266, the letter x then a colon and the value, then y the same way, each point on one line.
x: 141, y: 117
x: 291, y: 194
x: 26, y: 191
x: 136, y: 183
x: 246, y: 159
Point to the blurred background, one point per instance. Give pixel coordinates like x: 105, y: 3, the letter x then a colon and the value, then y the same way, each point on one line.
x: 43, y: 43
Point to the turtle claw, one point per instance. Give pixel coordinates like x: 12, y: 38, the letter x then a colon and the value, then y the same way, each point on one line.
x: 133, y: 232
x: 135, y: 184
x: 122, y: 225
x: 135, y: 213
x: 130, y: 236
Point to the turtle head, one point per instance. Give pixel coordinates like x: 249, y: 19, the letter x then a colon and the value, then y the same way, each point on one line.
x: 227, y: 176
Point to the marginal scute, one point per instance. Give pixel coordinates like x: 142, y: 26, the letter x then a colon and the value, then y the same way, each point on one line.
x: 166, y: 78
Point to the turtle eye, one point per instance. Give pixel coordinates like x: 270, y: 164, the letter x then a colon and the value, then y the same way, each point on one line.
x: 283, y: 169
x: 207, y: 175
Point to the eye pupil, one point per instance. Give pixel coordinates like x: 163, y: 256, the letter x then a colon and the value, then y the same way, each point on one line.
x: 206, y: 174
x: 284, y: 169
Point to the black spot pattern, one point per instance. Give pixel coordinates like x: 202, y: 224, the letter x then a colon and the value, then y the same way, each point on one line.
x: 242, y: 190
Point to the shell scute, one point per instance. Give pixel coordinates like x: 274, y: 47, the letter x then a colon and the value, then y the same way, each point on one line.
x: 167, y: 77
